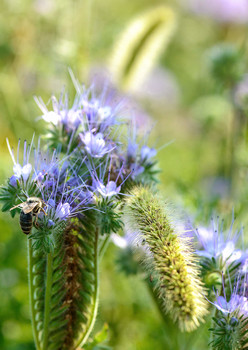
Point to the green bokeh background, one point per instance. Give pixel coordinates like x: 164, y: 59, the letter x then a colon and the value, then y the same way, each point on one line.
x: 39, y: 40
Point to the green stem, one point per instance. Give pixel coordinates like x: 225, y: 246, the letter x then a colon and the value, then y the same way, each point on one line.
x: 171, y: 341
x: 31, y: 294
x: 84, y: 337
x: 175, y: 340
x: 104, y: 246
x: 47, y: 300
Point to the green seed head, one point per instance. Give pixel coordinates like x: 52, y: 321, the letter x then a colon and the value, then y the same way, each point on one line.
x: 170, y: 256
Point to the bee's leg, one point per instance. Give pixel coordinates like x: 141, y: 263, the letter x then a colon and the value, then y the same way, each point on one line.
x: 43, y: 211
x: 35, y: 223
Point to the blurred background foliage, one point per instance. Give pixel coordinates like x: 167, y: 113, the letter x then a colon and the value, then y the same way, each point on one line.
x: 185, y: 68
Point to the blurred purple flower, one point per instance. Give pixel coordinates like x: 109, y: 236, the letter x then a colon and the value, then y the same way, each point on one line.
x: 241, y: 92
x: 88, y: 112
x: 147, y: 153
x: 13, y: 181
x: 20, y: 172
x: 215, y: 244
x: 232, y: 11
x: 23, y: 172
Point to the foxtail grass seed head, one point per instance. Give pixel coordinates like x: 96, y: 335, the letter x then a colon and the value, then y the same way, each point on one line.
x: 169, y: 255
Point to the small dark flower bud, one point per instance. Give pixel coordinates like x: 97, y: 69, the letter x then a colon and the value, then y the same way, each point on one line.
x: 221, y: 322
x: 234, y: 322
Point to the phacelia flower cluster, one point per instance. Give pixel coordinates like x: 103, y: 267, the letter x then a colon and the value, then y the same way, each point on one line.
x: 231, y: 316
x: 87, y: 165
x: 219, y: 250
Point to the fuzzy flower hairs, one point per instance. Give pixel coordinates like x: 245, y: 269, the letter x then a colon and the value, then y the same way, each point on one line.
x: 169, y: 256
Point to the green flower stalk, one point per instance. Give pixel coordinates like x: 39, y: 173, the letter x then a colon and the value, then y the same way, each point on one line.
x: 170, y: 257
x: 230, y: 324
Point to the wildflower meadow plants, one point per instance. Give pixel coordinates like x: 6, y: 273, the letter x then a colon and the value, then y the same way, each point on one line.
x: 90, y: 183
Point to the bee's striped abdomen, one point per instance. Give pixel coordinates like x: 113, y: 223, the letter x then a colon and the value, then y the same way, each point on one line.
x: 26, y: 222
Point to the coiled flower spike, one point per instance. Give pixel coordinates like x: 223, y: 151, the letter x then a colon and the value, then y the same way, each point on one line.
x: 230, y: 323
x: 169, y: 255
x: 81, y: 177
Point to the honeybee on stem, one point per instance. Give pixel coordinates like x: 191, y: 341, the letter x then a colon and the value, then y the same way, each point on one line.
x: 29, y: 209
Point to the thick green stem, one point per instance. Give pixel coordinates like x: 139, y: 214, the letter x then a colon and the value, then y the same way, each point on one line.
x: 94, y: 307
x: 47, y: 300
x: 31, y: 294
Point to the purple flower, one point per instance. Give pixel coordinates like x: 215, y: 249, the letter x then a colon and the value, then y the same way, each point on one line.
x: 21, y: 172
x: 137, y: 156
x: 136, y: 170
x: 13, y: 181
x: 100, y: 115
x: 106, y: 181
x: 215, y: 244
x: 235, y: 11
x: 65, y: 201
x: 52, y: 117
x: 237, y: 302
x: 88, y: 113
x: 95, y: 145
x: 132, y: 149
x: 147, y: 153
x: 62, y: 211
x: 107, y: 191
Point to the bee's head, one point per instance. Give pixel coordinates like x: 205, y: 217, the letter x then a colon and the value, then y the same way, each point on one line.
x: 31, y: 200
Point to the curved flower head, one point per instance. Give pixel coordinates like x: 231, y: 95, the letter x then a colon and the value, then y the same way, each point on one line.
x: 64, y: 200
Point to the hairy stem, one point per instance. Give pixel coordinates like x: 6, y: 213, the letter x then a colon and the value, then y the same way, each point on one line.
x: 47, y: 300
x: 31, y: 294
x: 84, y: 337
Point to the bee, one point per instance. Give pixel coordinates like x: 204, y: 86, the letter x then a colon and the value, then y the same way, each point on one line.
x: 29, y: 209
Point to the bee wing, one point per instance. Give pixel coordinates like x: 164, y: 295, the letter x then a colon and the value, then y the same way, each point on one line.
x: 28, y: 207
x: 18, y: 206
